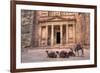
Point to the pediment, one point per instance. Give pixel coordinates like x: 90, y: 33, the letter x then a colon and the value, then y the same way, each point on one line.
x: 57, y: 18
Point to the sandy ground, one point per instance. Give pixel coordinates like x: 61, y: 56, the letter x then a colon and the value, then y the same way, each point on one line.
x: 39, y: 55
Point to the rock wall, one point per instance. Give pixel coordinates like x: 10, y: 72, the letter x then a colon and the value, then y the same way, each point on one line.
x: 26, y: 28
x: 83, y: 29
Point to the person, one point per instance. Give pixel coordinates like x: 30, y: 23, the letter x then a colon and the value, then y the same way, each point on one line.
x: 79, y: 49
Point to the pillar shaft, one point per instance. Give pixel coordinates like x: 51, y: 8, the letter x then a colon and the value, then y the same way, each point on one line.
x: 66, y: 33
x: 46, y: 35
x: 40, y: 36
x: 73, y: 33
x: 61, y: 34
x: 52, y: 35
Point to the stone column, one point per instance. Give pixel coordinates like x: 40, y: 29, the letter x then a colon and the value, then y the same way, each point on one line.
x: 78, y: 26
x: 66, y: 33
x: 61, y: 34
x: 52, y: 35
x: 74, y: 33
x: 46, y: 35
x: 40, y: 36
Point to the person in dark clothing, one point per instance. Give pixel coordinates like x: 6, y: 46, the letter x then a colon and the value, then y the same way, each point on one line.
x: 79, y: 49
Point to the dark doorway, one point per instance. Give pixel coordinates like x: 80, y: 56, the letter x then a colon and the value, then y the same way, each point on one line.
x: 58, y: 37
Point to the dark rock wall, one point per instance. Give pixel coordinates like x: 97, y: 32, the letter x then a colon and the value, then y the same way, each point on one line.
x: 26, y: 28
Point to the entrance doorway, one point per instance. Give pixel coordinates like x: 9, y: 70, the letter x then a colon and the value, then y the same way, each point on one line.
x: 58, y: 37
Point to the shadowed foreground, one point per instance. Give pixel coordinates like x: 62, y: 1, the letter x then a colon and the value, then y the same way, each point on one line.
x: 40, y: 55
